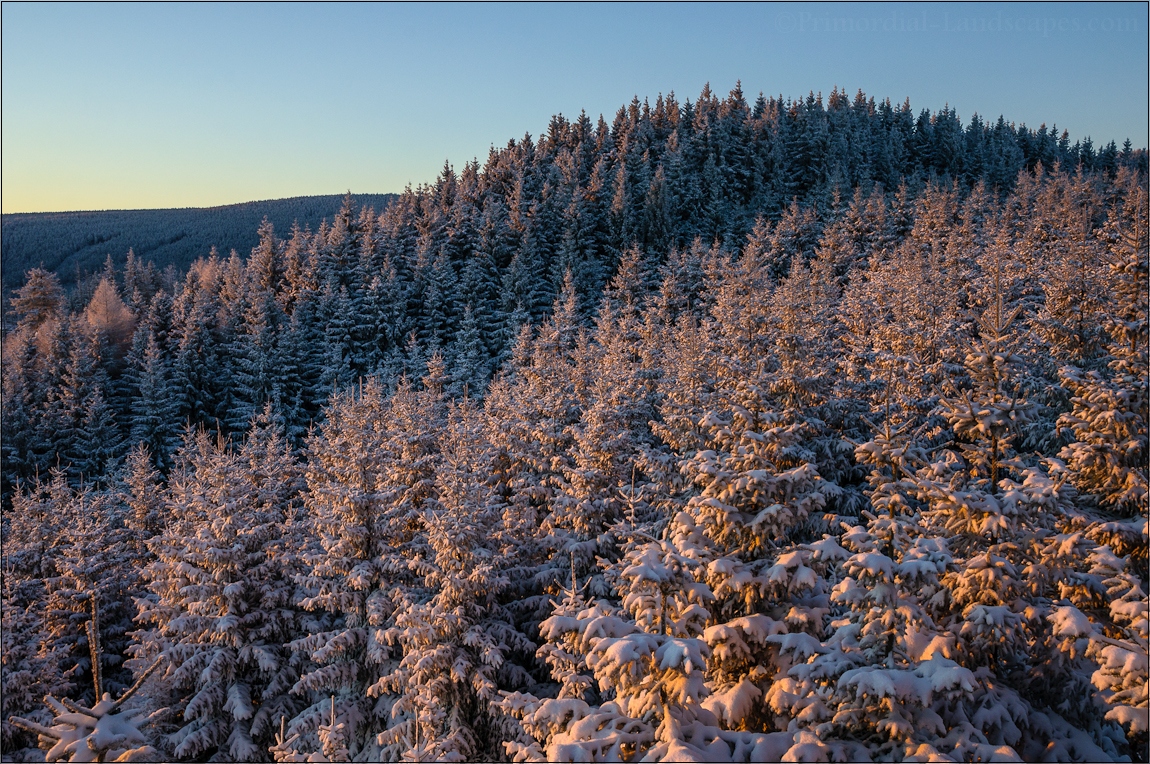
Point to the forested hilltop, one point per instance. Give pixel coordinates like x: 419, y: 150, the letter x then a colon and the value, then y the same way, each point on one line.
x: 804, y: 430
x: 75, y: 245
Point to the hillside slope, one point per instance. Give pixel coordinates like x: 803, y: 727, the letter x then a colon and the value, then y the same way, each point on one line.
x: 73, y: 243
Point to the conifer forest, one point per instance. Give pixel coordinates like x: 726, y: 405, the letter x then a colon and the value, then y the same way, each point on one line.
x: 774, y: 430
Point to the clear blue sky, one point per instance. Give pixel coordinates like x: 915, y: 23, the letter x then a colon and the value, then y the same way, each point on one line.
x: 137, y: 106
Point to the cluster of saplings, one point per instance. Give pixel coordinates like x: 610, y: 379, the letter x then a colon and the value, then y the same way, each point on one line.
x: 721, y: 433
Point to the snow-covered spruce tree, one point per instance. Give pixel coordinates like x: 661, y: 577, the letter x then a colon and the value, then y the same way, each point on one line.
x: 332, y: 738
x: 996, y: 507
x: 28, y: 671
x: 1076, y: 288
x: 808, y: 334
x: 879, y: 683
x: 39, y: 300
x: 99, y: 443
x: 1104, y: 612
x: 257, y: 353
x: 458, y: 646
x: 344, y: 516
x: 469, y: 366
x: 140, y: 491
x: 371, y: 471
x: 104, y: 732
x: 154, y: 405
x: 98, y: 567
x: 112, y: 322
x: 904, y: 314
x: 988, y: 501
x: 532, y: 409
x: 1099, y: 623
x: 198, y: 345
x: 223, y: 604
x: 649, y: 677
x: 85, y: 432
x: 20, y: 398
x: 33, y: 533
x: 612, y: 431
x: 1111, y: 411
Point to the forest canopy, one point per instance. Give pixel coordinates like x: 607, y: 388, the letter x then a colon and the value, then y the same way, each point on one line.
x: 804, y: 430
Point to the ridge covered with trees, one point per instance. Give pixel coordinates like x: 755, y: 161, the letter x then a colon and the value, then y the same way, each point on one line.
x: 792, y: 430
x: 74, y: 245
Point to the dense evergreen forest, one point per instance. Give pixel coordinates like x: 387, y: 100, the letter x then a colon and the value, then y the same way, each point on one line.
x: 796, y: 430
x: 75, y: 245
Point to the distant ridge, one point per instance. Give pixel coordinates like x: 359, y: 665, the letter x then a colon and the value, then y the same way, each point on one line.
x: 77, y: 243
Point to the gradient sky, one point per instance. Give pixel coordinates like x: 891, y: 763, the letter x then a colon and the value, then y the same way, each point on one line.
x: 146, y: 106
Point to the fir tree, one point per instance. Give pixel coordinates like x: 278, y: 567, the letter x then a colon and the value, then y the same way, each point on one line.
x: 222, y: 610
x: 153, y: 419
x: 1110, y: 413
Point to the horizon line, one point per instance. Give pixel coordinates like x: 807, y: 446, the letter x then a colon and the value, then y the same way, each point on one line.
x: 192, y: 207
